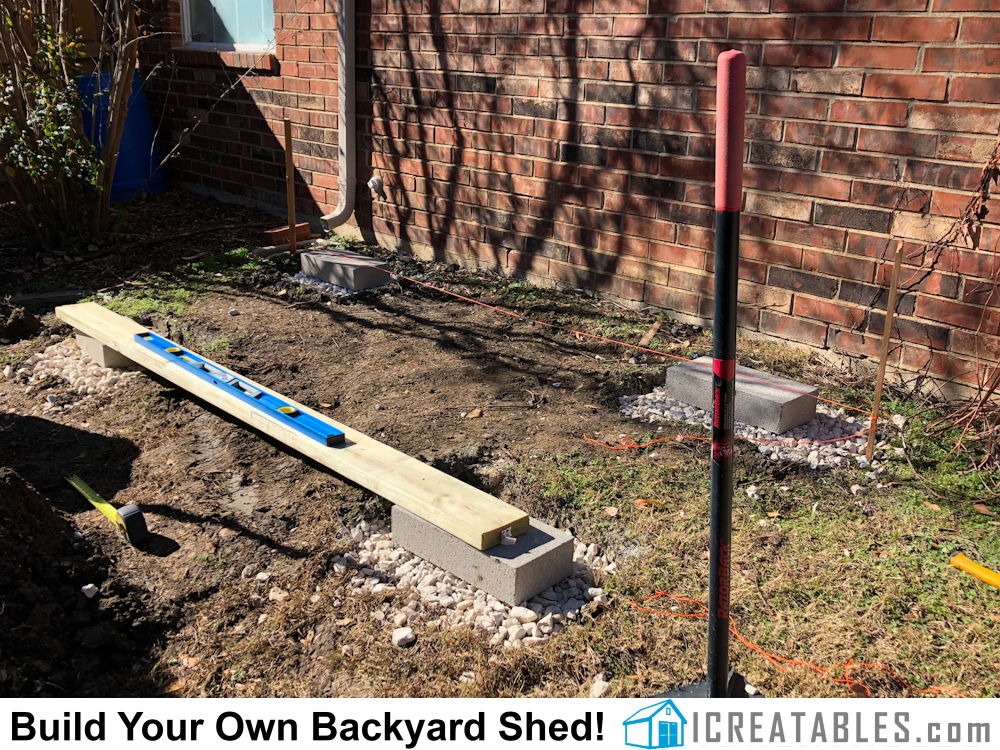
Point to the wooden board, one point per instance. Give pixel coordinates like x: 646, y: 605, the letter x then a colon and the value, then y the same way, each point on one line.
x: 463, y: 511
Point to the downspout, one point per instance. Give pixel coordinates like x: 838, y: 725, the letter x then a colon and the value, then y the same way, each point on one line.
x: 347, y: 178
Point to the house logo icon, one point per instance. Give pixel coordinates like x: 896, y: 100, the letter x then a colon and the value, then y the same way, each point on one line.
x: 659, y: 725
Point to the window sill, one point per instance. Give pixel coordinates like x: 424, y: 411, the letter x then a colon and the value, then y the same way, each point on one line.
x: 262, y: 63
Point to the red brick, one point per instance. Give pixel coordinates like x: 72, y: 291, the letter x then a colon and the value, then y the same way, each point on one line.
x: 973, y: 90
x: 976, y: 345
x: 788, y: 327
x: 761, y: 129
x: 981, y: 293
x: 649, y: 228
x: 829, y: 312
x: 962, y: 148
x: 695, y: 236
x: 964, y: 60
x: 858, y: 343
x: 956, y: 119
x: 806, y: 6
x: 786, y: 105
x: 693, y: 282
x: 690, y: 169
x: 980, y: 30
x: 919, y: 279
x: 957, y: 314
x: 770, y: 252
x: 677, y: 255
x: 942, y: 366
x: 671, y: 299
x: 633, y: 70
x: 738, y: 6
x: 807, y: 234
x: 697, y: 28
x: 890, y: 196
x: 895, y: 86
x: 888, y: 56
x: 761, y: 28
x: 830, y: 28
x: 960, y: 5
x: 799, y: 55
x: 885, y: 5
x: 764, y: 179
x: 843, y: 266
x: 814, y: 134
x: 942, y: 175
x: 857, y: 165
x: 640, y: 27
x: 870, y: 113
x: 897, y: 142
x: 981, y: 265
x: 702, y: 195
x: 778, y: 206
x: 914, y: 29
x: 757, y: 226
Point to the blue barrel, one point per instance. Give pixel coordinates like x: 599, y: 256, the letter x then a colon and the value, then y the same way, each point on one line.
x: 138, y: 154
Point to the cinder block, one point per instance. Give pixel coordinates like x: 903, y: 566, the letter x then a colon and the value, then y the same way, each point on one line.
x: 343, y: 268
x: 762, y: 400
x: 103, y: 355
x: 541, y: 558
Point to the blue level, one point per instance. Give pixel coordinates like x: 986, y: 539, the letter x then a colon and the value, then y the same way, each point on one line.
x: 271, y: 405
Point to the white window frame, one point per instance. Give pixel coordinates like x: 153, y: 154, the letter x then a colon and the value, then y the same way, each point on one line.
x: 217, y: 46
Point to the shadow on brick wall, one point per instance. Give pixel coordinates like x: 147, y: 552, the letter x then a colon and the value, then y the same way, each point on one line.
x: 509, y: 171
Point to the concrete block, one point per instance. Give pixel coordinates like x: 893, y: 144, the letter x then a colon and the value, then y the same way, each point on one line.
x: 103, y: 355
x: 343, y: 268
x: 762, y: 400
x: 542, y: 557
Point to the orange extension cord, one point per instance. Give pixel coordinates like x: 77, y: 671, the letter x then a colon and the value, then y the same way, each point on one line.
x: 774, y: 659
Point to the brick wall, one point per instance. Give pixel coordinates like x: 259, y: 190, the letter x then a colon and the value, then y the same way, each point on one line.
x: 572, y: 140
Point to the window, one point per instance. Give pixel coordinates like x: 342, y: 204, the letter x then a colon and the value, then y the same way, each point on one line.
x: 229, y: 24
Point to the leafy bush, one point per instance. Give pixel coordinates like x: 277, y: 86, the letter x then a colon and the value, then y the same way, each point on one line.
x: 49, y: 165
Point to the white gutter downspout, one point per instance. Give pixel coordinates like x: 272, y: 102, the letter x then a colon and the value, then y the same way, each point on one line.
x: 347, y: 179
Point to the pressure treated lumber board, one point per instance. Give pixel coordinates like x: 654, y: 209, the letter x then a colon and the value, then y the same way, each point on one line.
x: 463, y: 511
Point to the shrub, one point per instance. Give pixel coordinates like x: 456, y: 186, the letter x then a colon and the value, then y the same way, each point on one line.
x: 49, y: 165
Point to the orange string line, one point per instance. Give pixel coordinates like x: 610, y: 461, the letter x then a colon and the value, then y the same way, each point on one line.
x: 553, y: 326
x: 776, y: 660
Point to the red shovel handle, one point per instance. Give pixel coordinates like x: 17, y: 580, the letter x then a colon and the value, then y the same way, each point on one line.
x: 730, y: 109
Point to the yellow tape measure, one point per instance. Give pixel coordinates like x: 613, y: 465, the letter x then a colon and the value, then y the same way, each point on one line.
x: 128, y: 520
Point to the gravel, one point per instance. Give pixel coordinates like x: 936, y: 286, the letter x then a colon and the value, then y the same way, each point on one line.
x: 424, y: 594
x: 318, y: 285
x: 65, y: 361
x: 804, y: 444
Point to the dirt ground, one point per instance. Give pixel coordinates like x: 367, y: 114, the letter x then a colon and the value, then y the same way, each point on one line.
x: 183, y: 614
x: 402, y: 367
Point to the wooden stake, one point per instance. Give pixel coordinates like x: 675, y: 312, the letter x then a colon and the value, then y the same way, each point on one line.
x: 650, y: 334
x: 290, y: 180
x: 884, y: 354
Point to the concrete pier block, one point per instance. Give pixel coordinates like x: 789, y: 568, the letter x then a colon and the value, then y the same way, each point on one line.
x: 762, y: 400
x: 541, y: 557
x: 103, y: 355
x: 344, y: 268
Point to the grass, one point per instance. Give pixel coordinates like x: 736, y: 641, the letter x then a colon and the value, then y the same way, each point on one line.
x: 218, y: 345
x: 818, y: 574
x: 172, y: 293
